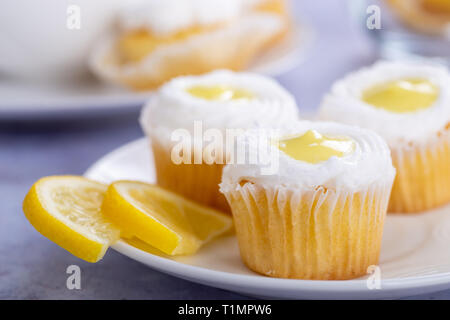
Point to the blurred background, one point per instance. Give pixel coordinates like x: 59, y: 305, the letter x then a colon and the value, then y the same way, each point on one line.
x: 58, y: 115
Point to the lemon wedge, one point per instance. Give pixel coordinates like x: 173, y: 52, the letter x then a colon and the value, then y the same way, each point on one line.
x: 66, y: 210
x: 162, y: 219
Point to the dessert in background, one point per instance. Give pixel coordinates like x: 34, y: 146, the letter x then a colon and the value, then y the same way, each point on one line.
x: 428, y: 16
x: 158, y: 40
x: 219, y: 100
x: 408, y: 104
x: 321, y: 214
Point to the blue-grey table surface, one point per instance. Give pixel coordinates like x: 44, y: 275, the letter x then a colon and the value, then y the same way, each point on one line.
x: 32, y: 267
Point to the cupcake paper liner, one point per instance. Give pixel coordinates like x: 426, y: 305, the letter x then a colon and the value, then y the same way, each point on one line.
x: 316, y: 234
x: 198, y: 182
x: 423, y: 175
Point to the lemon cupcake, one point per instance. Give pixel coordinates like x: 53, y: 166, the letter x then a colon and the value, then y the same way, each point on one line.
x: 158, y: 40
x: 320, y: 213
x: 427, y: 16
x: 409, y: 106
x: 192, y: 123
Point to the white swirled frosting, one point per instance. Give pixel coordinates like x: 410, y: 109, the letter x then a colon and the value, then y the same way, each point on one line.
x: 370, y: 161
x: 344, y: 103
x: 173, y: 107
x: 167, y: 16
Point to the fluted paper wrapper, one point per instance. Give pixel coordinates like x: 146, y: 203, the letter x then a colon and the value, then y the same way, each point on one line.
x: 423, y: 176
x: 198, y: 182
x: 315, y: 234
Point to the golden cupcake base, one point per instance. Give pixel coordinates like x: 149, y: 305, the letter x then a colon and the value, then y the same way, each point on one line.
x: 198, y: 182
x: 320, y: 234
x: 423, y: 176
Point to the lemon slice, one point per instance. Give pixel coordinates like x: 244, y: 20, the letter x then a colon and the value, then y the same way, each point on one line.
x: 141, y: 245
x: 162, y: 219
x: 66, y: 210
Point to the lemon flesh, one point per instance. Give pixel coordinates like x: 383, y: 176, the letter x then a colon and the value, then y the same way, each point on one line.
x: 313, y: 147
x: 162, y: 219
x: 66, y: 210
x: 406, y: 95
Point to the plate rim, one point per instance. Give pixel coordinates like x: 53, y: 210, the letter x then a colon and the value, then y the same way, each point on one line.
x: 402, y: 283
x: 389, y: 287
x: 131, y: 101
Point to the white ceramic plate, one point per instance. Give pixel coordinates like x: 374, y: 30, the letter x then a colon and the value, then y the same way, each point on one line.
x: 415, y: 258
x: 47, y: 101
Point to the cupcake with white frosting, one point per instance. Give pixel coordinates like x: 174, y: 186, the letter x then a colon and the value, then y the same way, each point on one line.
x: 320, y: 215
x: 157, y: 40
x: 408, y: 104
x: 192, y: 123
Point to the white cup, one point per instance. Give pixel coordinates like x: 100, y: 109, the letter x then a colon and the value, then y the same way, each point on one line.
x: 40, y: 39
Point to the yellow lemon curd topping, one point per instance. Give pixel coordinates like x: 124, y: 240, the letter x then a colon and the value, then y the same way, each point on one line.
x: 136, y: 45
x: 314, y: 147
x: 218, y: 92
x: 401, y: 96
